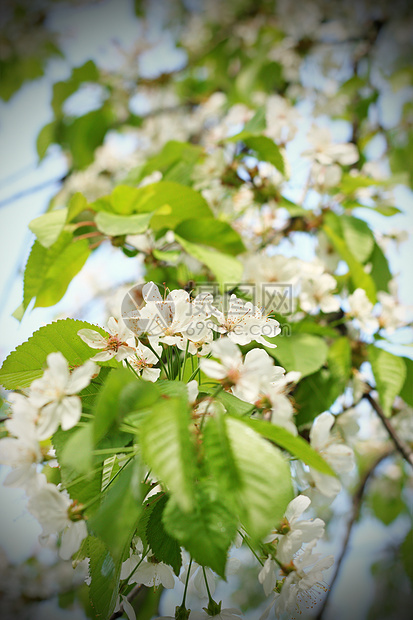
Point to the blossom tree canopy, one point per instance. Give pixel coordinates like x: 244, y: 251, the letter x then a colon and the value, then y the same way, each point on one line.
x: 257, y: 366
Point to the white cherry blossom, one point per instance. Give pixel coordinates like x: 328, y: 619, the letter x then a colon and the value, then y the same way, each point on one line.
x: 196, y: 577
x: 324, y: 151
x: 144, y: 360
x: 22, y: 452
x: 338, y: 455
x: 120, y: 343
x: 55, y: 393
x: 243, y: 322
x: 317, y: 293
x: 294, y: 532
x: 244, y: 377
x: 52, y: 509
x: 391, y: 314
x: 173, y: 319
x: 360, y: 308
x: 281, y: 119
x: 148, y: 573
x: 301, y: 583
x: 273, y: 398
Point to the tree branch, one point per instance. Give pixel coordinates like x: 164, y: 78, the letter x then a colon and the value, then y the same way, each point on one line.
x: 357, y: 502
x: 400, y: 444
x: 132, y: 594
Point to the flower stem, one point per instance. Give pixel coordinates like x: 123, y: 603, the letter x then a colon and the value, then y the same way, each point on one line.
x: 245, y: 539
x: 186, y: 583
x: 206, y: 583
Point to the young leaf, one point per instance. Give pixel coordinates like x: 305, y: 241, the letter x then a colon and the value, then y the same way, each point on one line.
x: 165, y: 548
x: 207, y: 530
x: 28, y: 361
x: 113, y: 224
x: 167, y: 447
x: 389, y: 373
x: 49, y: 271
x: 182, y: 202
x: 47, y: 227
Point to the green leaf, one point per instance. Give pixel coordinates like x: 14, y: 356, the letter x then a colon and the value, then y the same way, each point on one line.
x: 182, y: 202
x: 227, y: 269
x: 113, y: 225
x: 45, y: 138
x: 317, y: 392
x: 219, y: 456
x: 407, y: 389
x: 176, y: 161
x: 104, y: 573
x: 122, y: 394
x: 84, y: 487
x: 165, y: 548
x: 206, y: 531
x: 28, y: 361
x: 407, y: 555
x: 116, y: 519
x: 214, y: 233
x: 380, y: 271
x: 266, y: 150
x: 168, y: 448
x: 257, y: 123
x: 358, y: 237
x: 305, y: 353
x: 77, y: 451
x: 83, y: 135
x: 265, y: 486
x: 77, y: 204
x: 349, y: 183
x: 49, y: 271
x: 297, y: 446
x: 359, y: 277
x: 386, y: 507
x: 389, y: 373
x: 387, y: 210
x: 48, y: 227
x: 339, y: 361
x: 87, y: 72
x: 232, y: 404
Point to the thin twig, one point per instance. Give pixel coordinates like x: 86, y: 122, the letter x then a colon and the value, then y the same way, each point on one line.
x: 357, y: 502
x: 31, y: 190
x: 132, y: 594
x: 400, y: 444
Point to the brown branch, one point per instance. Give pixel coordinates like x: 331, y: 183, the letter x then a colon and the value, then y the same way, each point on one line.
x: 357, y: 502
x: 400, y: 444
x: 132, y: 594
